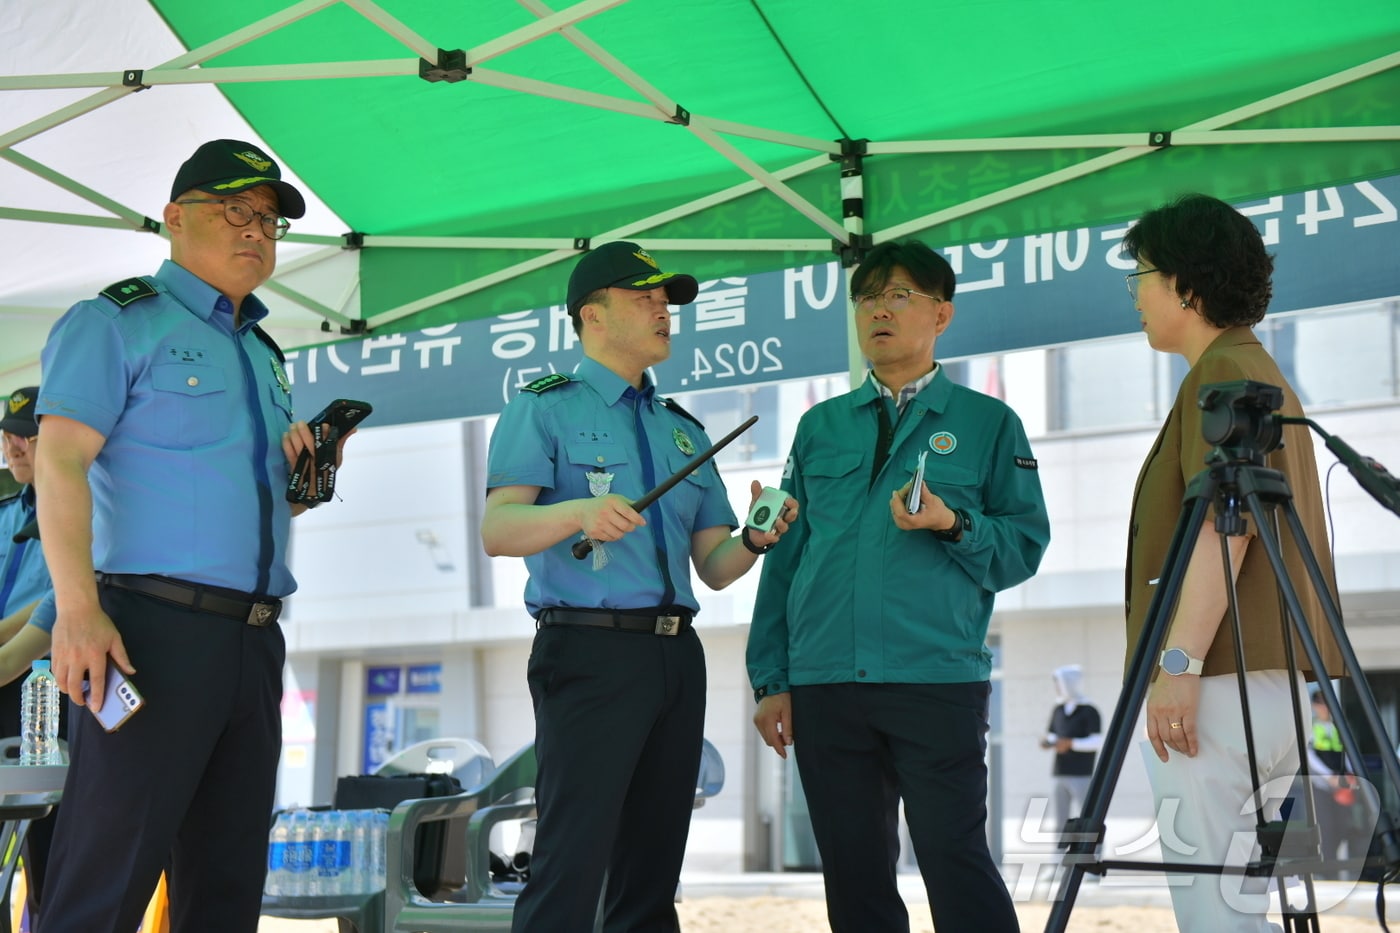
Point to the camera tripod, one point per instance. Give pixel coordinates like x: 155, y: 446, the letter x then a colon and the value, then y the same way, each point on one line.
x: 1234, y: 477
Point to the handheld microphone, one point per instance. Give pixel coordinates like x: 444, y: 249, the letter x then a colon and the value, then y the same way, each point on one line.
x: 1373, y: 477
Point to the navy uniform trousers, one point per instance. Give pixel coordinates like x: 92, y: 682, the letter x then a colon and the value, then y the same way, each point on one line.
x: 188, y: 781
x: 859, y: 749
x: 619, y: 722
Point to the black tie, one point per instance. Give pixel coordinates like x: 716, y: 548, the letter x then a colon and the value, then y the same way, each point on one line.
x: 885, y: 438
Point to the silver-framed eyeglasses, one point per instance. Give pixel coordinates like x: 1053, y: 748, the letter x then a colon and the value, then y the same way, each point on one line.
x: 238, y: 214
x: 1132, y: 279
x: 894, y: 299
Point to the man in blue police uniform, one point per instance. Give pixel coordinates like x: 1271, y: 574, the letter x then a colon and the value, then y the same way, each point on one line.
x: 868, y: 650
x: 617, y: 673
x: 167, y: 444
x: 24, y: 579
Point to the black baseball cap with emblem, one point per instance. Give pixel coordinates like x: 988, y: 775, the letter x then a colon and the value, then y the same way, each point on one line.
x: 626, y: 265
x: 227, y: 166
x: 19, y: 413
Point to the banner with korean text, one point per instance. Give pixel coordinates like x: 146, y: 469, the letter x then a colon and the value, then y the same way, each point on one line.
x: 1332, y: 246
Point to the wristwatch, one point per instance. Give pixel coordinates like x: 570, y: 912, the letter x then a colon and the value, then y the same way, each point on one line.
x: 1177, y: 662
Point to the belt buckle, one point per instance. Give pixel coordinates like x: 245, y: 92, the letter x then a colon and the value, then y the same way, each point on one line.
x: 667, y: 625
x: 262, y: 614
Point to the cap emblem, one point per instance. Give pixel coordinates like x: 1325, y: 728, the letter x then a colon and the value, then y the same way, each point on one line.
x: 18, y: 401
x: 258, y: 162
x: 645, y: 257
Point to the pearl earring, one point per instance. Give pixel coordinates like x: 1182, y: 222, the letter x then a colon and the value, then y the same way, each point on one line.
x: 1185, y: 303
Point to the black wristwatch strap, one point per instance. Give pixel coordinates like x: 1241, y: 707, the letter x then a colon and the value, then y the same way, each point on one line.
x: 748, y: 543
x: 960, y: 524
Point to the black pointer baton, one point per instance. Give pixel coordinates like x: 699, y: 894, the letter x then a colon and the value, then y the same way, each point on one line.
x: 581, y: 549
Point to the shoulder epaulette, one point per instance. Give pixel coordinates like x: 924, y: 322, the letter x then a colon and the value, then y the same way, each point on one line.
x: 671, y: 404
x: 545, y: 383
x: 126, y: 291
x: 266, y: 338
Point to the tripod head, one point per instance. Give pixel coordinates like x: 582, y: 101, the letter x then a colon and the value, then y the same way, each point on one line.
x: 1239, y: 419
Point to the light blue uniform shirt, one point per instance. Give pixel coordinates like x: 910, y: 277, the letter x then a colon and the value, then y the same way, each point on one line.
x: 191, y: 480
x: 555, y: 438
x: 44, y: 614
x: 24, y: 577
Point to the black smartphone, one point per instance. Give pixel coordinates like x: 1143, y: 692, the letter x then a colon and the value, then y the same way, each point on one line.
x: 342, y: 414
x: 312, y: 480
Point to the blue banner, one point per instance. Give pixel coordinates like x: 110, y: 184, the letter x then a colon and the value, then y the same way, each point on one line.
x: 1332, y: 246
x: 424, y: 678
x: 382, y: 681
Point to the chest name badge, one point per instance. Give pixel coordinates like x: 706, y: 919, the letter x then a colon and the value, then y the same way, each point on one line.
x: 683, y: 443
x: 942, y: 443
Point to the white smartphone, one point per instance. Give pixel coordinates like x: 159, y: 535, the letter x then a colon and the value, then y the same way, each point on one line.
x: 767, y: 509
x: 120, y: 700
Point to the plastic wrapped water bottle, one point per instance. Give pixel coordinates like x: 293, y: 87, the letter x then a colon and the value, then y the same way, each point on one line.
x: 333, y: 854
x: 315, y: 837
x: 298, y: 856
x: 359, y: 852
x: 377, y: 845
x: 39, y: 701
x: 277, y: 840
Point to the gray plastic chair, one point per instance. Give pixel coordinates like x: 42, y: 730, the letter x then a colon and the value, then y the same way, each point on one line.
x: 465, y: 759
x: 483, y: 906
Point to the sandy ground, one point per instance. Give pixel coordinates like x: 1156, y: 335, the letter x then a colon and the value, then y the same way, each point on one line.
x: 773, y: 914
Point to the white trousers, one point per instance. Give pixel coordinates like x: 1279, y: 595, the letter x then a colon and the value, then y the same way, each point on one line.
x: 1205, y: 811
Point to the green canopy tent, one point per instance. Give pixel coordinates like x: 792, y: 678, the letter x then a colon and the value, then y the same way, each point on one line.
x: 472, y: 148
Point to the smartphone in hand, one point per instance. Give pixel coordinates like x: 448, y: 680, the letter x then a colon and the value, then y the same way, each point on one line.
x: 120, y: 701
x: 312, y: 480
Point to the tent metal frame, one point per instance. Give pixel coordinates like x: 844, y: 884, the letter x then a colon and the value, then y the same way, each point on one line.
x: 837, y: 234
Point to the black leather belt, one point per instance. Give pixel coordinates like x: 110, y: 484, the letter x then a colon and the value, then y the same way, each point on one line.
x: 216, y: 599
x: 654, y: 621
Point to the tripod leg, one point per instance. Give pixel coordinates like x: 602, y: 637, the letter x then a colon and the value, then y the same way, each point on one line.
x: 1088, y: 830
x: 1386, y: 823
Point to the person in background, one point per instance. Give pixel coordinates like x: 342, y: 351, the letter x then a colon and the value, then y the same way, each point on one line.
x: 616, y: 672
x: 24, y: 580
x: 1203, y: 279
x: 1346, y: 820
x: 167, y: 443
x: 867, y: 651
x: 1076, y: 735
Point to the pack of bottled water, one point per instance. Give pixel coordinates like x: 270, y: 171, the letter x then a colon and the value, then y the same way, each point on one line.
x: 326, y: 853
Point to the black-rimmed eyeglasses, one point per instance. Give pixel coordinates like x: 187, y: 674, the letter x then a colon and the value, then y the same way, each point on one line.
x: 238, y: 214
x: 1132, y: 279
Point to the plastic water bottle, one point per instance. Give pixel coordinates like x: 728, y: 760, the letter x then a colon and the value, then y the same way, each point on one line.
x: 332, y: 856
x: 39, y: 718
x: 277, y: 840
x: 377, y: 845
x: 315, y: 836
x: 359, y: 852
x: 297, y: 857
